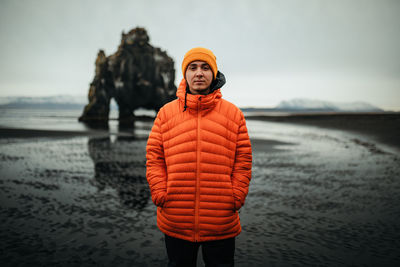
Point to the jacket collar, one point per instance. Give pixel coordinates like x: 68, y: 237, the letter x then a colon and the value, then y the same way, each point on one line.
x: 196, y: 102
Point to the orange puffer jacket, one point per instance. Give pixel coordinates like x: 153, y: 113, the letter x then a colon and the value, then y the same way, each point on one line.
x: 199, y: 166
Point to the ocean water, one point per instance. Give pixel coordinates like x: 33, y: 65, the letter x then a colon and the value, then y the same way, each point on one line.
x: 46, y: 119
x: 317, y: 197
x: 67, y: 120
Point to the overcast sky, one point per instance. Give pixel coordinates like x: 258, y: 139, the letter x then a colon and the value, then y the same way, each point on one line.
x: 269, y: 51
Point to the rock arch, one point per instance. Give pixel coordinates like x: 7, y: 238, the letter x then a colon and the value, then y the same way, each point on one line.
x: 138, y: 75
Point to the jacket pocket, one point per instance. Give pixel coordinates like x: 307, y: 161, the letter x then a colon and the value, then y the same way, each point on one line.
x: 164, y: 205
x: 233, y: 198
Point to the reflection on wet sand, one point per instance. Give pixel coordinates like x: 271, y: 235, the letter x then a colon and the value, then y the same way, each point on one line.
x: 116, y: 167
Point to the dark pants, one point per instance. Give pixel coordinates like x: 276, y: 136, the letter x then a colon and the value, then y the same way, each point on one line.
x: 215, y: 253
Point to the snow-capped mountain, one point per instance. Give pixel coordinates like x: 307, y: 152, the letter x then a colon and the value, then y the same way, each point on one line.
x: 58, y: 101
x: 45, y: 102
x: 319, y: 105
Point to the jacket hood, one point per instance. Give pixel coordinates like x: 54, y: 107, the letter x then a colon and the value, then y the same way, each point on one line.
x: 218, y: 82
x: 207, y: 101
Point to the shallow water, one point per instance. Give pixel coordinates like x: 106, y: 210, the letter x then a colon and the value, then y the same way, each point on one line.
x: 317, y: 198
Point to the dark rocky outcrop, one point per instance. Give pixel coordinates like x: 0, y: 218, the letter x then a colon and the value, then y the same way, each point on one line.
x: 137, y: 75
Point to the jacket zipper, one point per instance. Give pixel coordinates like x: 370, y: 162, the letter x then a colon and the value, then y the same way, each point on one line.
x: 196, y: 230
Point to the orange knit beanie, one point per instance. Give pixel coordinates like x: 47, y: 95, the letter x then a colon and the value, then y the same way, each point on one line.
x: 203, y: 54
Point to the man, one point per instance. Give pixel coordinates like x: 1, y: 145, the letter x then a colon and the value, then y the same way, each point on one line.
x: 199, y: 166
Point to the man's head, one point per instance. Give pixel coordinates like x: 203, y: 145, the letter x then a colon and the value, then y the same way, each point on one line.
x: 199, y: 68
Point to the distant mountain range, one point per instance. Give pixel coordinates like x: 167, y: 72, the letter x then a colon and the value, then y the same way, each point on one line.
x: 294, y: 105
x: 56, y: 102
x: 309, y: 105
x: 47, y: 102
x: 301, y: 104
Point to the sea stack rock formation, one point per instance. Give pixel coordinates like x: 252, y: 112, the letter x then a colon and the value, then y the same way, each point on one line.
x: 138, y: 75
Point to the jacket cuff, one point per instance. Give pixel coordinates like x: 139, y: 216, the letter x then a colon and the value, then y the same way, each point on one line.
x: 238, y: 204
x: 159, y: 199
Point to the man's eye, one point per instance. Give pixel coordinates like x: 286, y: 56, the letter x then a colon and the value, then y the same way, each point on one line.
x: 206, y: 67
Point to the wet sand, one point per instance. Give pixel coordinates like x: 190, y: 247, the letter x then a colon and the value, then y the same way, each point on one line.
x: 318, y: 197
x: 29, y: 133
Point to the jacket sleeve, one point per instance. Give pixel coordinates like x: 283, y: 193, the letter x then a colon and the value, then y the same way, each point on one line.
x: 241, y: 174
x: 156, y: 173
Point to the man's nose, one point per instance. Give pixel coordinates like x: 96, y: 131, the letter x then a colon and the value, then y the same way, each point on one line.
x: 199, y: 72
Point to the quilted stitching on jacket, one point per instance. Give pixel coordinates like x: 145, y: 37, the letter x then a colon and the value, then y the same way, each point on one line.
x: 199, y: 167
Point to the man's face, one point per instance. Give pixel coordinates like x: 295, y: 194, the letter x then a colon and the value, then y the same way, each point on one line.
x: 199, y: 77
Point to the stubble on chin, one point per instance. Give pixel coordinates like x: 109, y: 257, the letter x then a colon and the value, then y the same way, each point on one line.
x: 199, y: 91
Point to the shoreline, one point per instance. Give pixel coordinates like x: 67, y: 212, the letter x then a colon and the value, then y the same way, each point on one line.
x: 9, y: 132
x: 381, y: 126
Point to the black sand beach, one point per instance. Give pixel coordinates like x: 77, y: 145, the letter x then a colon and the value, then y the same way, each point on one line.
x: 320, y: 196
x: 385, y: 127
x: 29, y: 133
